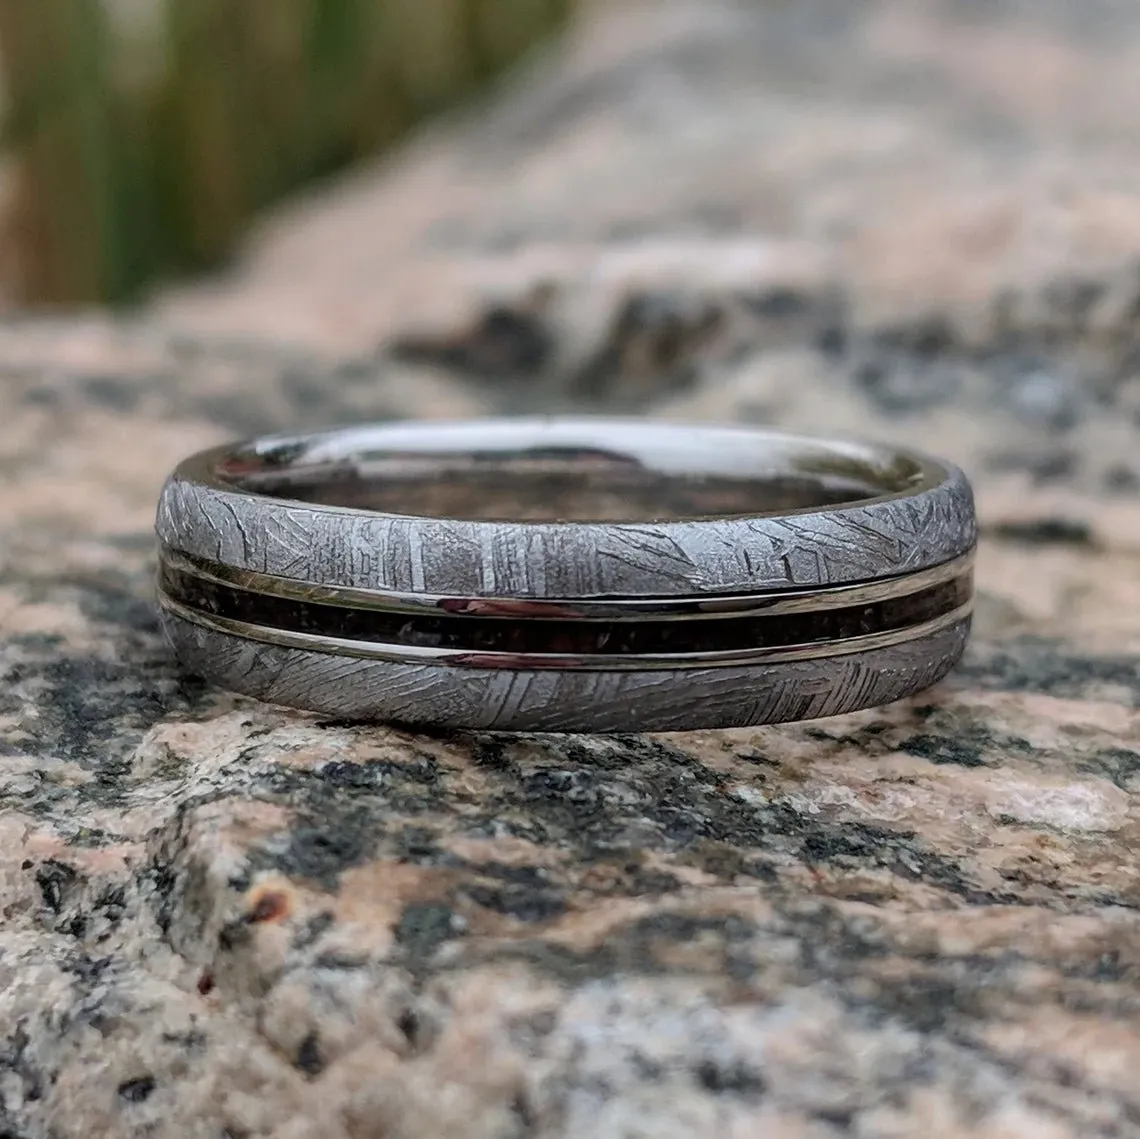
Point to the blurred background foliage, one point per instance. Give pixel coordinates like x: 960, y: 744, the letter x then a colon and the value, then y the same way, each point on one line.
x: 141, y: 135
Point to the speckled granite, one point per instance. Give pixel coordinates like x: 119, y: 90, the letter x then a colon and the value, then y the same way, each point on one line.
x: 223, y: 920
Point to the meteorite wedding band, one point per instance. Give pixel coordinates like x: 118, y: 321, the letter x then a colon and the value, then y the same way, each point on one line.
x: 564, y: 574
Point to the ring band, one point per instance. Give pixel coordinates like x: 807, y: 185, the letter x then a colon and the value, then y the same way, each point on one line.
x: 566, y: 574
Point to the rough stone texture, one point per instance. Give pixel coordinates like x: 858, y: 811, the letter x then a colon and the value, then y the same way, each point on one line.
x: 220, y: 919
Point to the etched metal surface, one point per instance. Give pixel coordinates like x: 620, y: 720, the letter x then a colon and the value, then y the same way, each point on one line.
x: 517, y: 700
x: 893, y: 533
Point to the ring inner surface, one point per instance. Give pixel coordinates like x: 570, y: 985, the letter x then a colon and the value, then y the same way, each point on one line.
x: 570, y: 486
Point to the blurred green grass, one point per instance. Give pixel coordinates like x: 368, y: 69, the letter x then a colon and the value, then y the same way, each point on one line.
x: 140, y: 136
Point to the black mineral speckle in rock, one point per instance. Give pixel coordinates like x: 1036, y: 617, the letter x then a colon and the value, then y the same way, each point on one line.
x: 424, y: 927
x: 945, y: 749
x: 309, y: 1058
x: 734, y: 1078
x: 137, y: 1090
x: 1047, y: 532
x: 503, y: 343
x: 55, y: 880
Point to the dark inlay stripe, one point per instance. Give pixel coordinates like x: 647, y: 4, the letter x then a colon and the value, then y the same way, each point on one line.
x: 544, y: 636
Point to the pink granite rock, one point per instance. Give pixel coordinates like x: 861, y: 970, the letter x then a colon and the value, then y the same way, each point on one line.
x: 881, y: 218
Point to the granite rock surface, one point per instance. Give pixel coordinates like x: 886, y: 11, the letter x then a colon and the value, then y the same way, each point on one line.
x: 221, y: 919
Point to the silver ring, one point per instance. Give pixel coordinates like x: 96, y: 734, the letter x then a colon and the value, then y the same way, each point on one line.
x: 566, y: 574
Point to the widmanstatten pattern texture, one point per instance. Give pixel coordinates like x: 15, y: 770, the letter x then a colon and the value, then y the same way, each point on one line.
x: 550, y: 700
x: 459, y: 557
x: 858, y: 216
